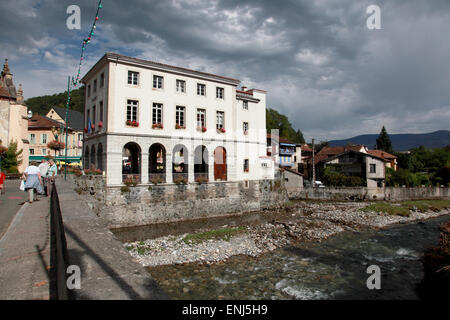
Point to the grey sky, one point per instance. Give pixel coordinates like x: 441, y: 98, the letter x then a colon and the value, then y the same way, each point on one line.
x: 321, y: 66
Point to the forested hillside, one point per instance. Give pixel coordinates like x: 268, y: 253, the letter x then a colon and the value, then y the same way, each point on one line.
x: 275, y: 120
x: 41, y: 105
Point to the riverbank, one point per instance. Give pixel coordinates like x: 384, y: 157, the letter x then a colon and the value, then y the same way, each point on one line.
x: 293, y: 223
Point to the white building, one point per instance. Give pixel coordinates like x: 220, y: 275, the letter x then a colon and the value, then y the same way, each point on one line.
x: 152, y: 121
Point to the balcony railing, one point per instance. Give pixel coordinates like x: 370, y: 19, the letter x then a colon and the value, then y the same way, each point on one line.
x: 135, y: 176
x: 180, y: 176
x: 201, y: 176
x: 157, y: 177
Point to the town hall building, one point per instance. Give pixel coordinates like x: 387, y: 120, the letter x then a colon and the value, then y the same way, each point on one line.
x: 157, y: 123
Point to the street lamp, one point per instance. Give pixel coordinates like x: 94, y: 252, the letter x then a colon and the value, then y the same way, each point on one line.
x: 30, y: 114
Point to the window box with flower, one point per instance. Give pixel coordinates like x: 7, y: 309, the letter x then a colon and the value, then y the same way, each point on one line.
x: 221, y: 130
x: 202, y: 129
x: 157, y: 126
x: 178, y: 126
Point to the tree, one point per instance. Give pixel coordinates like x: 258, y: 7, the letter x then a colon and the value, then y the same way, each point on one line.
x: 276, y: 120
x: 384, y: 142
x: 11, y: 158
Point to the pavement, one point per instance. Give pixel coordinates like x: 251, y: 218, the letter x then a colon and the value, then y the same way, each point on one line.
x: 24, y: 245
x: 10, y: 203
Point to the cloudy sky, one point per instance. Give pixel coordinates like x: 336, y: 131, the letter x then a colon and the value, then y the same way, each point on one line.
x: 321, y: 65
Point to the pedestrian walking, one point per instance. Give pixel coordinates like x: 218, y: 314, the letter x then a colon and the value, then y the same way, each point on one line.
x: 43, y: 169
x: 2, y: 181
x: 33, y: 181
x: 51, y: 174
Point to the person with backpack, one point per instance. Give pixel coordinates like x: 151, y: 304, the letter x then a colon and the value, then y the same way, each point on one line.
x: 43, y: 168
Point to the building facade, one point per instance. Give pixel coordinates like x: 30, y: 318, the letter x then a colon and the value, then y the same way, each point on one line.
x: 158, y: 123
x: 42, y: 130
x: 13, y: 116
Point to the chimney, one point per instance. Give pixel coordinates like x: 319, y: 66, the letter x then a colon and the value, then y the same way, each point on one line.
x: 19, y: 95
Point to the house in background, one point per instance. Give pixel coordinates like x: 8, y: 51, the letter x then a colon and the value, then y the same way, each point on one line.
x: 75, y: 123
x: 390, y: 158
x: 13, y: 115
x: 356, y: 163
x: 41, y: 133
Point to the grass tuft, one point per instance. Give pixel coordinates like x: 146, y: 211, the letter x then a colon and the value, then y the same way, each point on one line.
x: 225, y: 234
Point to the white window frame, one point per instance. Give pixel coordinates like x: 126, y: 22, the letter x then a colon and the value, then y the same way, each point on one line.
x: 244, y: 105
x: 245, y: 127
x: 132, y: 110
x: 220, y: 119
x: 201, y: 118
x: 133, y: 78
x: 43, y: 141
x: 158, y: 82
x: 220, y: 93
x: 180, y: 85
x: 157, y: 113
x: 201, y: 89
x: 180, y: 116
x: 32, y: 138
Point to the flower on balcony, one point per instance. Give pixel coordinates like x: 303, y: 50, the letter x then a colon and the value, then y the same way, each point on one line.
x: 56, y: 145
x: 246, y: 132
x: 100, y: 124
x: 177, y: 126
x: 130, y: 181
x: 157, y: 126
x: 222, y: 130
x: 128, y: 122
x: 245, y: 169
x: 134, y: 123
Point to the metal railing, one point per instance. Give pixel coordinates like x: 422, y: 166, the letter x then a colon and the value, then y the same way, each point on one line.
x: 157, y: 177
x: 177, y: 176
x: 59, y: 258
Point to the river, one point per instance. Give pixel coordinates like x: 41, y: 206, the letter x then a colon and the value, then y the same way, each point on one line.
x: 333, y: 269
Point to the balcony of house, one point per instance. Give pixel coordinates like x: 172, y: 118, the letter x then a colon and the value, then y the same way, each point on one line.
x: 287, y: 150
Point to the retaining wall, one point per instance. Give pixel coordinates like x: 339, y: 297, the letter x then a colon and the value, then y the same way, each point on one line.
x: 363, y: 193
x: 169, y: 202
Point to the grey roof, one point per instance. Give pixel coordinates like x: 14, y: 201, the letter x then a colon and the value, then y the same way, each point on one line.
x: 118, y: 58
x: 75, y: 118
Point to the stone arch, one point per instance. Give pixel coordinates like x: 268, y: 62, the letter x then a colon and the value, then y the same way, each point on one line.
x: 180, y: 162
x: 131, y: 161
x: 157, y: 163
x: 220, y: 164
x: 201, y: 162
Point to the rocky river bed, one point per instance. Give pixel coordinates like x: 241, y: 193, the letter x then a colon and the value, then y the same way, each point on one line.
x: 292, y: 224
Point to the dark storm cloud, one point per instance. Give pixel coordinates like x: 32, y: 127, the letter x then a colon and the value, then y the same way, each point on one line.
x: 319, y: 63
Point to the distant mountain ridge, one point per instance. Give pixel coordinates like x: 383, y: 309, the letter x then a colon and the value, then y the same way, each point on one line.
x: 401, y: 141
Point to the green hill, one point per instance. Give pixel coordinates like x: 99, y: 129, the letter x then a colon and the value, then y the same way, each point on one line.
x: 41, y: 105
x: 275, y: 120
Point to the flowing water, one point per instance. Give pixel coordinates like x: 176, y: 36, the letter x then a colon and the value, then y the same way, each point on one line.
x: 333, y: 269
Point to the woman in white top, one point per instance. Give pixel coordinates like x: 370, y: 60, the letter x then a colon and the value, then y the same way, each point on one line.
x: 33, y: 179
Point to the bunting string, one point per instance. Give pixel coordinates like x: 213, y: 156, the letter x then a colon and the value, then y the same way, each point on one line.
x: 85, y: 43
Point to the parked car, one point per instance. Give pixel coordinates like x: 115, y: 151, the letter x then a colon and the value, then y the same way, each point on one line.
x: 319, y: 184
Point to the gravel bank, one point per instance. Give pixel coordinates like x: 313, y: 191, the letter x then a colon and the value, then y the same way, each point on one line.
x: 300, y: 221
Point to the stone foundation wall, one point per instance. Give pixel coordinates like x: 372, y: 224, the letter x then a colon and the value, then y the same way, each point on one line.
x: 363, y: 193
x: 166, y: 203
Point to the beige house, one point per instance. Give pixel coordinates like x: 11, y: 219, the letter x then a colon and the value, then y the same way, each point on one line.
x: 41, y: 130
x: 13, y: 115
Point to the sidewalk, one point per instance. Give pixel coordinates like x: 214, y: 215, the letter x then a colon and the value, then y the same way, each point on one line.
x: 25, y: 252
x: 10, y: 203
